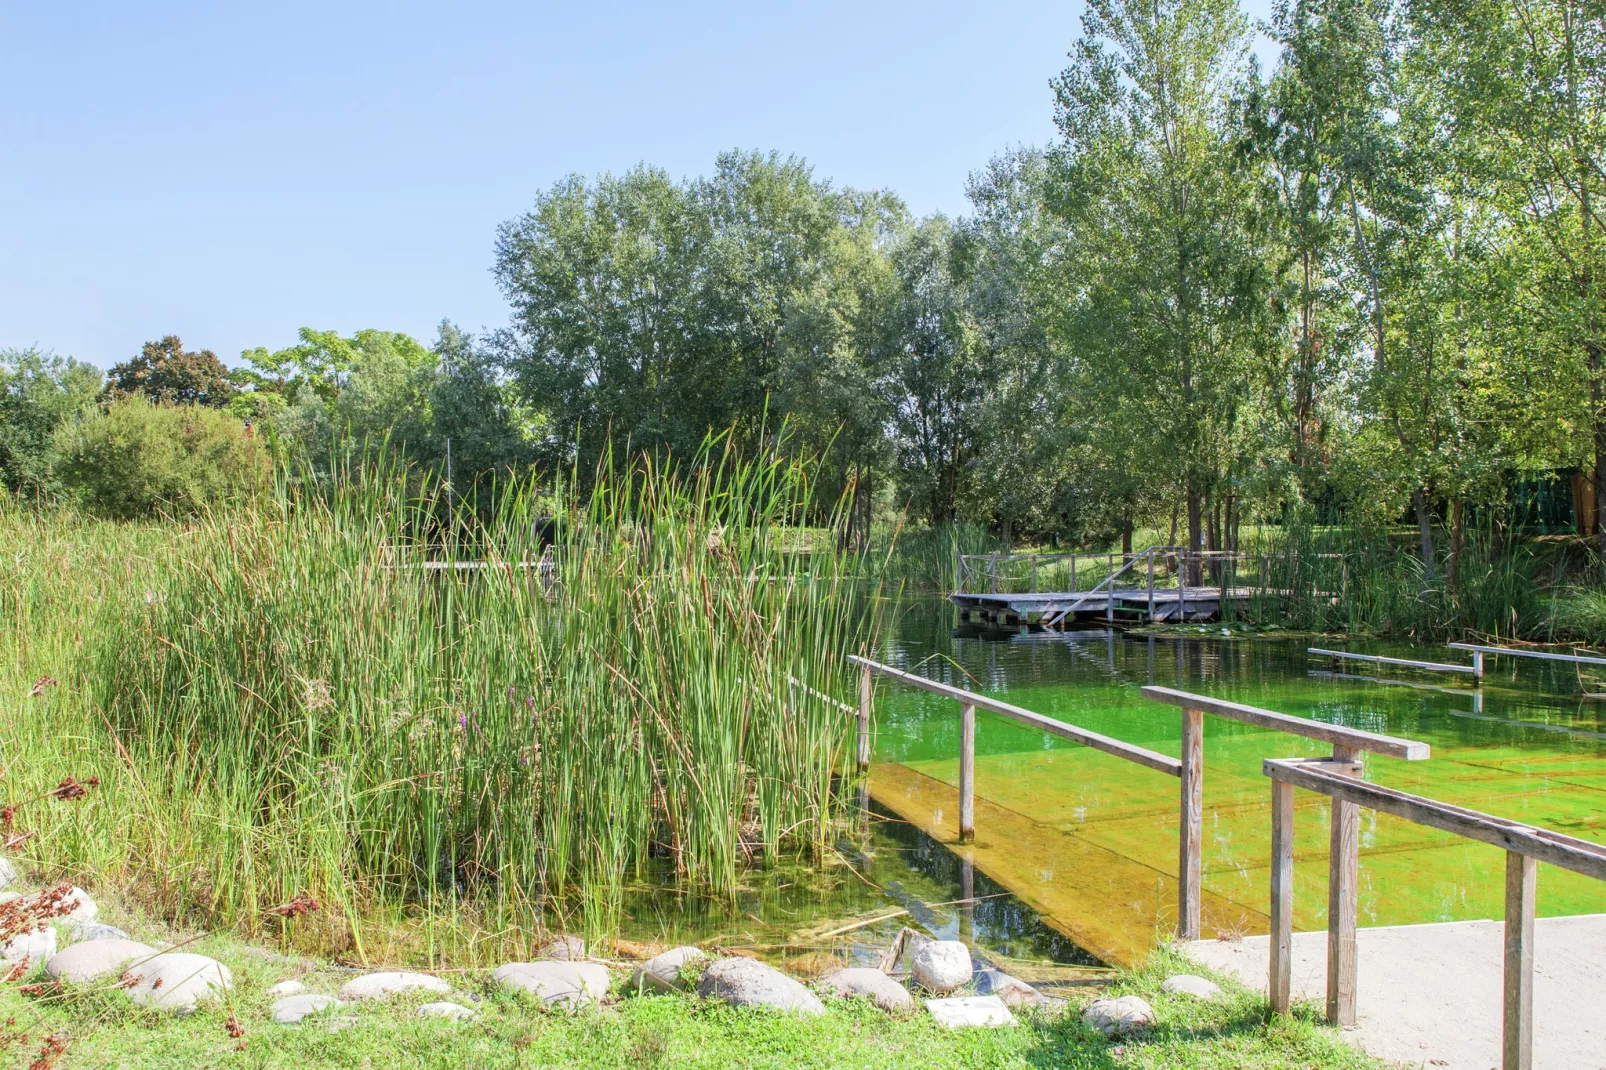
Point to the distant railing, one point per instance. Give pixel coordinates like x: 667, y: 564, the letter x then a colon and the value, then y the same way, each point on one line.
x: 1524, y: 846
x: 1347, y: 743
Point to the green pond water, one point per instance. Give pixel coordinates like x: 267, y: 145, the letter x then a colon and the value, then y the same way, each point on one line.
x: 1076, y: 851
x: 1525, y: 746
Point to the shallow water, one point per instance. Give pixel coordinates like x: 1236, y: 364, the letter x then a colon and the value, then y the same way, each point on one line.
x: 1090, y: 841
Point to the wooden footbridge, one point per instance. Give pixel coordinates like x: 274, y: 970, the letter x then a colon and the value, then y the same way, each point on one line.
x: 1161, y: 584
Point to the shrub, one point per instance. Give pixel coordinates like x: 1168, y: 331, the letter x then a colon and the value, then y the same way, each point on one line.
x: 136, y: 458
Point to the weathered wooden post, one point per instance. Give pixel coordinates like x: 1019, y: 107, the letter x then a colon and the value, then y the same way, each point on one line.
x: 1034, y: 574
x: 1282, y: 894
x: 1477, y: 665
x: 1151, y: 597
x: 1190, y: 836
x: 967, y: 772
x: 1343, y: 890
x: 1516, y: 1034
x: 866, y: 696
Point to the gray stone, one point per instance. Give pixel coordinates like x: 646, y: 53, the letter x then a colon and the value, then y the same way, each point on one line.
x: 661, y: 973
x: 98, y: 931
x: 454, y: 1011
x: 291, y: 1009
x: 35, y: 945
x: 82, y: 910
x: 93, y: 959
x: 565, y: 948
x: 867, y: 983
x: 8, y: 873
x: 287, y: 988
x: 558, y: 983
x: 1124, y: 1014
x: 1012, y: 990
x: 750, y: 983
x: 1186, y: 984
x: 387, y: 984
x: 969, y: 1012
x: 941, y: 966
x: 177, y: 981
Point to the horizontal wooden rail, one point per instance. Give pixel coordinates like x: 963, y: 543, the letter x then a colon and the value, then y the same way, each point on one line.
x: 1559, y: 849
x: 1378, y: 659
x: 1524, y: 845
x: 1480, y: 652
x: 1160, y: 763
x: 1338, y: 735
x: 1348, y: 744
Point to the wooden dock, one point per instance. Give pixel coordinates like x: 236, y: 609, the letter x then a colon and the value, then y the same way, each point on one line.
x: 1060, y: 609
x: 1161, y: 584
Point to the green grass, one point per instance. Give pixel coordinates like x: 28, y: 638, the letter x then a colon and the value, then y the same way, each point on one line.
x: 103, y: 1029
x: 280, y: 702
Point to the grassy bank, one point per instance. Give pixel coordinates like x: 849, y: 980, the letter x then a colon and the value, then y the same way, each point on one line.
x: 283, y: 700
x: 99, y: 1027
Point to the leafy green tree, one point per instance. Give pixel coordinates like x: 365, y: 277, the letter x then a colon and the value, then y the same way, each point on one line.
x: 1522, y: 89
x: 929, y: 370
x: 1169, y: 275
x: 137, y: 458
x: 165, y: 371
x: 39, y: 392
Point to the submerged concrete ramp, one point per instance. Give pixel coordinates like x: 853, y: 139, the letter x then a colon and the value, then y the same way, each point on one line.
x: 1430, y: 995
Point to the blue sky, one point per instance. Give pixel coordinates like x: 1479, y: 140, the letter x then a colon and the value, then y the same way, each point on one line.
x: 232, y: 172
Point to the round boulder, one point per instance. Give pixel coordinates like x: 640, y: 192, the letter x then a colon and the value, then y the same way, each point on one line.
x: 8, y: 873
x: 1012, y: 990
x: 661, y: 973
x: 291, y: 1009
x: 93, y: 959
x: 1124, y: 1014
x: 387, y: 984
x: 555, y: 982
x: 81, y: 910
x: 35, y: 945
x: 177, y: 981
x: 941, y: 966
x: 864, y: 982
x: 455, y: 1011
x: 750, y: 983
x: 1186, y: 984
x: 99, y: 932
x: 564, y: 948
x: 287, y: 988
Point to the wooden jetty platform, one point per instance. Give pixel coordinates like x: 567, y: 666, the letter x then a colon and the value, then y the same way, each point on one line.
x: 1161, y: 584
x: 1059, y: 609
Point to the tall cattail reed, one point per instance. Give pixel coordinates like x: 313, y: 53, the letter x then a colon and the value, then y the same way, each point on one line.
x: 366, y: 694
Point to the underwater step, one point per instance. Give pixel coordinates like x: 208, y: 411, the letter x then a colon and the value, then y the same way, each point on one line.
x: 1114, y: 906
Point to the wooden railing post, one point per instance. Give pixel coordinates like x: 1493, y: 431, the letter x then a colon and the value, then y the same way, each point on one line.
x: 1151, y: 587
x: 1190, y: 836
x: 1343, y: 892
x: 866, y: 696
x: 967, y: 772
x: 1282, y: 894
x: 1516, y: 1035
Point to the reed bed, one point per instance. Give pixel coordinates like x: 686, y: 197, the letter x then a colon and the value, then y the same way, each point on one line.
x: 304, y: 698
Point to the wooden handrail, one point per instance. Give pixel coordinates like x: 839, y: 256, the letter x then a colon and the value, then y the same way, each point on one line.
x: 1559, y: 849
x: 1160, y: 763
x: 1525, y: 845
x: 1479, y: 652
x: 1338, y: 735
x: 1378, y: 659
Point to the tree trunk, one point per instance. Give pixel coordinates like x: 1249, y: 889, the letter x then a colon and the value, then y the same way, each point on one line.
x: 1594, y: 352
x: 1171, y: 539
x: 1194, y: 533
x: 1424, y: 523
x: 1458, y: 539
x: 1126, y: 536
